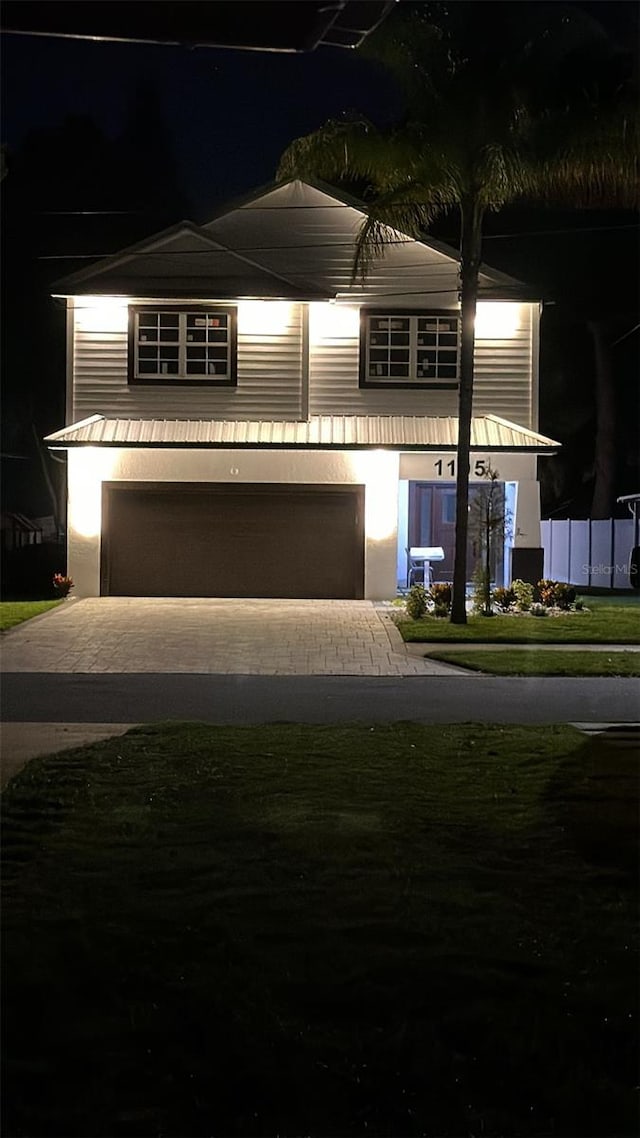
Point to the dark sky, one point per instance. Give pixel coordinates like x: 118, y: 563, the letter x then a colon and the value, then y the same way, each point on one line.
x: 230, y: 113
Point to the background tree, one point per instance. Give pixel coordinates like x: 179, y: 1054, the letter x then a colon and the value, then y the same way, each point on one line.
x: 502, y: 104
x: 70, y: 192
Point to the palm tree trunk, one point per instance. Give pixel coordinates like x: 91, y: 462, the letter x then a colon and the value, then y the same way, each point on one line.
x: 470, y: 249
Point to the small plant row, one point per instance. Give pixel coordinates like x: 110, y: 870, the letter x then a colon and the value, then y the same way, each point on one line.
x: 436, y: 599
x: 519, y: 596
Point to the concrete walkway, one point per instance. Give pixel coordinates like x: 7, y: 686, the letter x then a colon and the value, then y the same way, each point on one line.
x: 215, y: 637
x: 416, y: 648
x: 20, y: 742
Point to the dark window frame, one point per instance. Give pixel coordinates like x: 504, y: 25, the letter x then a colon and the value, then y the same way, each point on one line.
x: 418, y: 383
x: 183, y: 380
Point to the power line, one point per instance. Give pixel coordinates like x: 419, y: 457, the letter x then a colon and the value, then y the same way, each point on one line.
x: 95, y: 213
x: 381, y: 294
x: 626, y: 335
x: 315, y: 245
x: 556, y: 232
x: 485, y: 237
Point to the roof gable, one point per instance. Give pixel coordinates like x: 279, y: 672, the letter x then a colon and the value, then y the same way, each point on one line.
x: 295, y: 240
x: 184, y: 261
x: 308, y: 230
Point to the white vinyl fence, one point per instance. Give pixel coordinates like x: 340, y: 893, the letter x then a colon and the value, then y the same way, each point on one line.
x: 589, y: 552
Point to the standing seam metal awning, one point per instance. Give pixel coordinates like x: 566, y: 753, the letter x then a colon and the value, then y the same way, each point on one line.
x: 351, y: 432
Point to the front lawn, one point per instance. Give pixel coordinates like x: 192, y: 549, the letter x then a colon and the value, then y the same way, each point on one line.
x: 605, y: 625
x: 541, y: 662
x: 15, y: 612
x: 295, y: 930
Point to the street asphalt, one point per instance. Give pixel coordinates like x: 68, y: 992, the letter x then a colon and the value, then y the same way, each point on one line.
x: 39, y: 697
x: 91, y: 668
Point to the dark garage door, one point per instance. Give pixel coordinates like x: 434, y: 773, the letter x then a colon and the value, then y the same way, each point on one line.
x: 204, y: 540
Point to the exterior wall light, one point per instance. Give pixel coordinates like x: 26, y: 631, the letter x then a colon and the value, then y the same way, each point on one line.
x: 264, y: 317
x: 101, y: 314
x: 333, y: 322
x: 497, y: 320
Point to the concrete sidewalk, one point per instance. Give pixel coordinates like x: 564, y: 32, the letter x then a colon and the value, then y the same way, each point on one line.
x: 419, y: 648
x: 20, y: 742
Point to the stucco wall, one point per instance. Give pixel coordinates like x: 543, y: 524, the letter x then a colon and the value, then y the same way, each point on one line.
x: 518, y: 468
x: 89, y: 467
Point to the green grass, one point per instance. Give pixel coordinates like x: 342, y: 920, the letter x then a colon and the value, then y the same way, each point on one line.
x: 295, y: 930
x: 606, y: 599
x: 541, y: 662
x: 604, y: 625
x: 15, y: 612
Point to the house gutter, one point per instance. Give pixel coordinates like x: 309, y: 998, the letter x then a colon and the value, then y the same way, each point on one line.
x: 401, y: 448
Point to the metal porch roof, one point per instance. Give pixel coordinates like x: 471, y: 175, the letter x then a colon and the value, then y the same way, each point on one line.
x: 351, y: 432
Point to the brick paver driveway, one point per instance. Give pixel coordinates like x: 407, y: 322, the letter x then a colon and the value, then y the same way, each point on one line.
x: 249, y: 637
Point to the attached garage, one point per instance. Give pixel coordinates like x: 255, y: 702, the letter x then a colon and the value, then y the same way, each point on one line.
x: 216, y: 540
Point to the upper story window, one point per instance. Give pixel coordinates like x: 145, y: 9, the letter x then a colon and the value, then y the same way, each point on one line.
x: 408, y: 349
x: 183, y: 345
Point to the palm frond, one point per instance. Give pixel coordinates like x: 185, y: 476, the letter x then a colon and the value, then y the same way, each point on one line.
x: 587, y: 160
x: 349, y: 150
x: 501, y: 174
x: 406, y: 211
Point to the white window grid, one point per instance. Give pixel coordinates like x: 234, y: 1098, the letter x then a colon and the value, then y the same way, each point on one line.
x: 182, y: 345
x: 419, y: 348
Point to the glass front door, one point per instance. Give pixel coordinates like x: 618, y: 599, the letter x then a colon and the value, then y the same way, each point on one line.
x: 432, y: 521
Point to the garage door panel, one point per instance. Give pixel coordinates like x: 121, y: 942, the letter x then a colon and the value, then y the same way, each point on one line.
x: 253, y: 541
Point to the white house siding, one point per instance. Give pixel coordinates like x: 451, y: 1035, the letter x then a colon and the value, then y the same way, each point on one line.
x: 503, y: 381
x: 270, y: 378
x: 269, y: 369
x: 89, y: 467
x: 503, y: 372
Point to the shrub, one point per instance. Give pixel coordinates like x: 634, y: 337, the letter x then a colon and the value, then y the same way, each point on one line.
x: 440, y: 594
x: 546, y: 589
x: 556, y: 593
x: 62, y: 584
x: 565, y: 595
x: 578, y: 604
x: 524, y: 594
x: 440, y: 610
x: 504, y: 598
x: 416, y: 603
x: 538, y: 610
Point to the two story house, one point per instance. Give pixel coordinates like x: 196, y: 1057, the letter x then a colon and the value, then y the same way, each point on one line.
x: 246, y: 421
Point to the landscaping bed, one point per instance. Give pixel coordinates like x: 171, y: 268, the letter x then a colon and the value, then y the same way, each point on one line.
x: 287, y: 930
x: 612, y: 624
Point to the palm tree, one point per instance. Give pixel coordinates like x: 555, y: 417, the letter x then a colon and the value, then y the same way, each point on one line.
x: 481, y: 131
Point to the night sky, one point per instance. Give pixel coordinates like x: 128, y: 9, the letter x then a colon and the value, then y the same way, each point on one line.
x: 229, y: 114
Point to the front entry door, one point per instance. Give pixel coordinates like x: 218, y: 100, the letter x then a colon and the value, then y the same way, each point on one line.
x: 432, y: 521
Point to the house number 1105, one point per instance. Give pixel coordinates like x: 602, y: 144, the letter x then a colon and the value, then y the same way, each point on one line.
x: 479, y: 470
